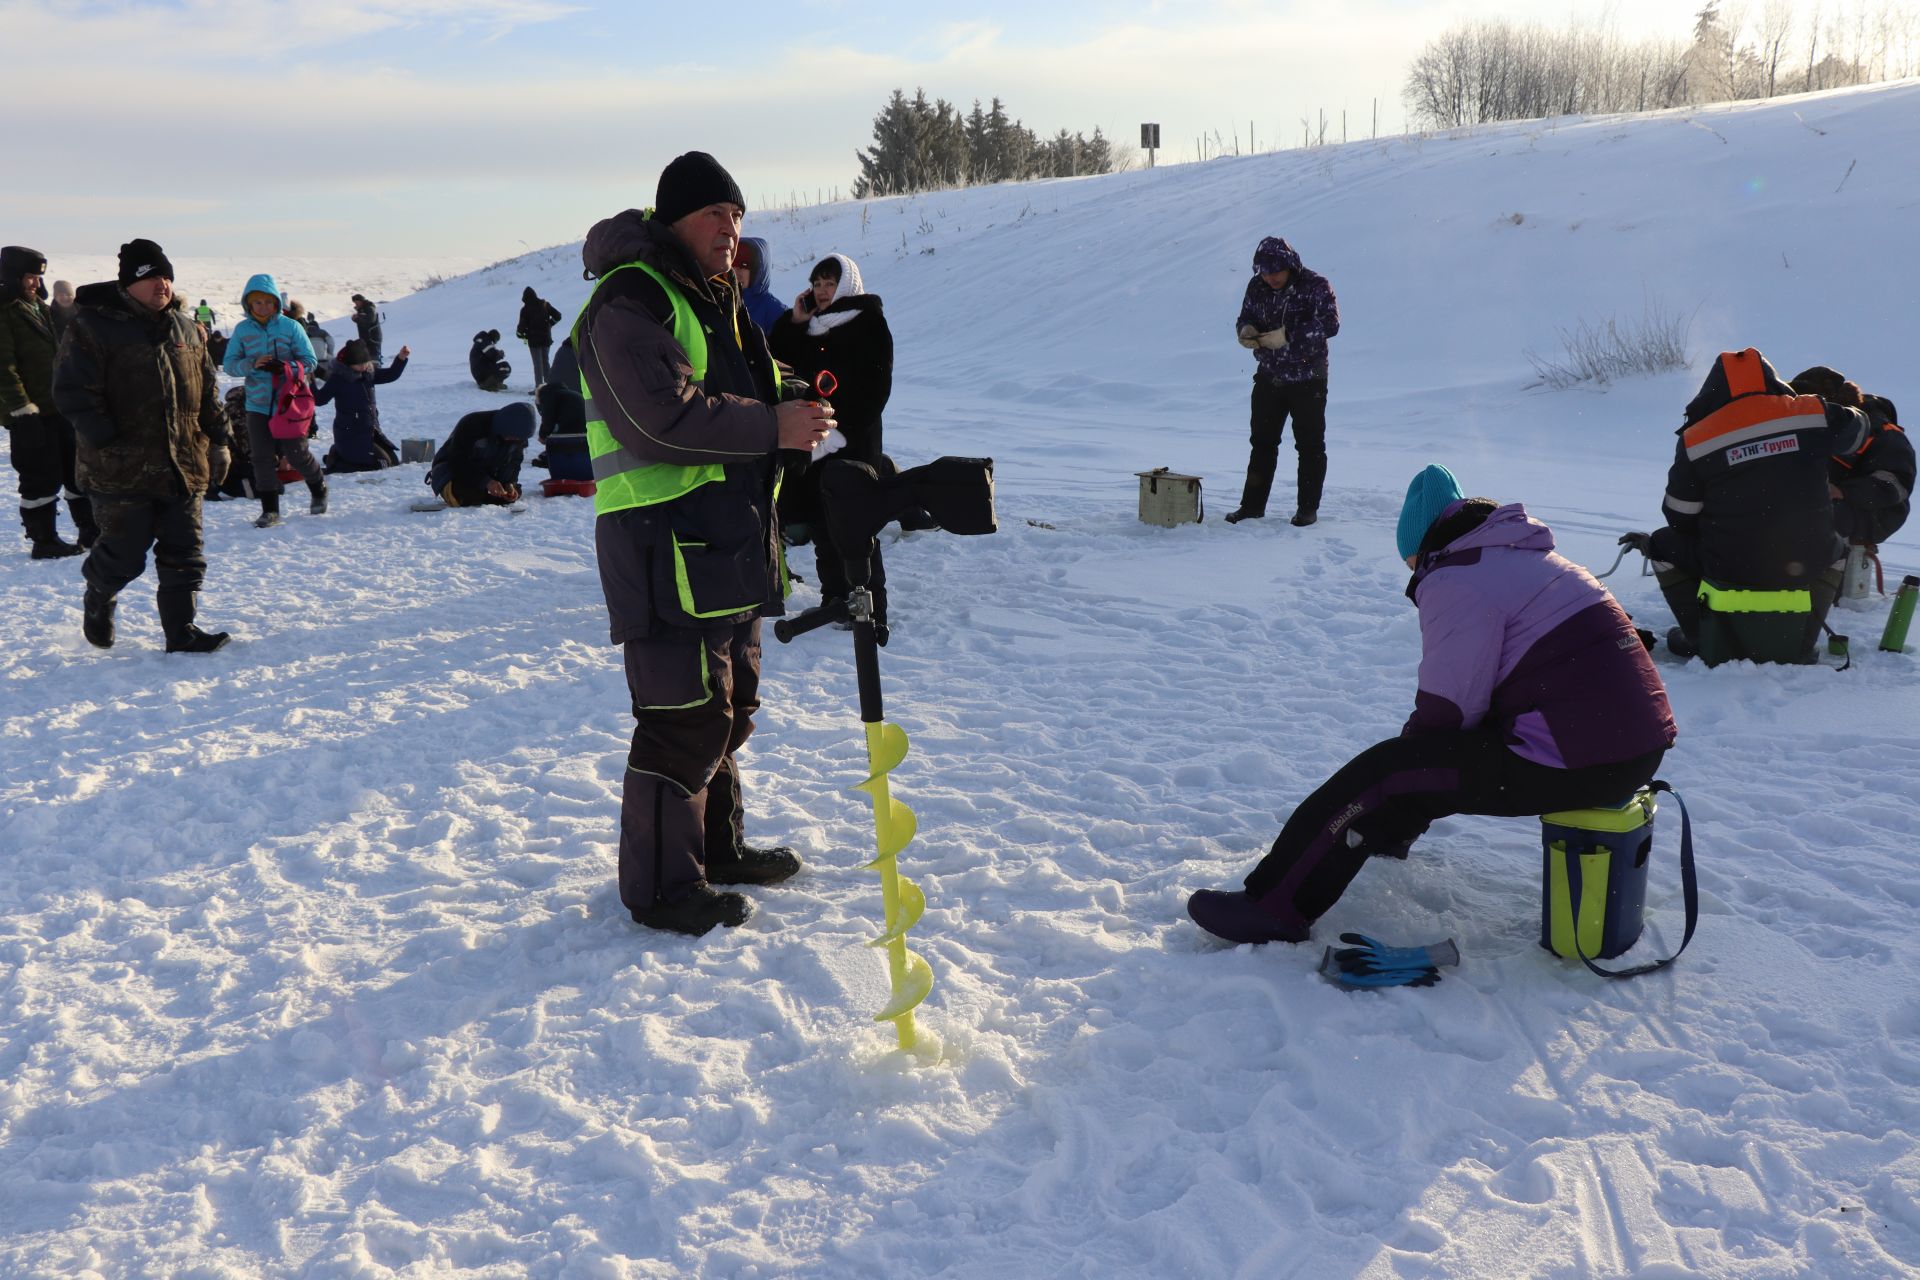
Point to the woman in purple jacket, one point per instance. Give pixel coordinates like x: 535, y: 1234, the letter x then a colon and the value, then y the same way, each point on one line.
x: 1536, y: 695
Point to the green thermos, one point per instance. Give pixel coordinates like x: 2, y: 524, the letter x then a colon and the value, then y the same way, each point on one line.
x: 1894, y: 638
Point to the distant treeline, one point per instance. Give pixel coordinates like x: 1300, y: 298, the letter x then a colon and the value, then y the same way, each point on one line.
x: 926, y: 146
x: 1479, y: 72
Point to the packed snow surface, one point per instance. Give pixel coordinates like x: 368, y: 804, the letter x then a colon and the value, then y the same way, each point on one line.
x: 311, y: 962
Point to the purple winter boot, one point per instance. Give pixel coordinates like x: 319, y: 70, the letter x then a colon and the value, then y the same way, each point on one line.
x: 1234, y: 915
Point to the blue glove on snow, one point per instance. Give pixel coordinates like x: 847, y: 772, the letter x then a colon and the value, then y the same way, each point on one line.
x: 1371, y: 963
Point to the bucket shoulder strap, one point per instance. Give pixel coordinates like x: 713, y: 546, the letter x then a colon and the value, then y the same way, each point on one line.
x: 1689, y: 888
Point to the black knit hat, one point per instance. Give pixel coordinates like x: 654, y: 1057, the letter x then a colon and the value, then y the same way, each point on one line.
x: 691, y: 183
x: 143, y: 260
x: 355, y: 352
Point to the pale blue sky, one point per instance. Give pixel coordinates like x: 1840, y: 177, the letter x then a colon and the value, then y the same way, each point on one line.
x: 405, y: 127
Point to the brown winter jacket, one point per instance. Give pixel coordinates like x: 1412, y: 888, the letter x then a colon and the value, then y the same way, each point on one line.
x: 139, y: 389
x: 27, y: 346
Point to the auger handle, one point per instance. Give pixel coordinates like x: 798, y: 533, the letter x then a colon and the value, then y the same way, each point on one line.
x: 786, y: 629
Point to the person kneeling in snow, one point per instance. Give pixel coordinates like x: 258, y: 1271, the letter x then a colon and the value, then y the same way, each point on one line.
x: 479, y: 465
x: 484, y: 361
x: 1535, y: 696
x: 1872, y: 487
x: 1749, y: 516
x: 358, y: 442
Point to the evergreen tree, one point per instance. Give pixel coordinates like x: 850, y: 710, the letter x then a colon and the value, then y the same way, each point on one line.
x: 922, y: 146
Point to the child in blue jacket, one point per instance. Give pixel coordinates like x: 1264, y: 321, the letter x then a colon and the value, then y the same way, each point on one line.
x: 260, y: 347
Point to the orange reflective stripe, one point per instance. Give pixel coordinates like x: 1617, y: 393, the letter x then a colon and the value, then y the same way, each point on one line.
x: 1750, y: 412
x: 1743, y: 370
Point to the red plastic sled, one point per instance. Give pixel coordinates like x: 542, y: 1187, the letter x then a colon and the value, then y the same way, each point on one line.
x: 567, y: 488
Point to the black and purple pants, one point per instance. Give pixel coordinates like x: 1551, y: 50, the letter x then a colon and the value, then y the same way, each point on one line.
x: 1389, y: 793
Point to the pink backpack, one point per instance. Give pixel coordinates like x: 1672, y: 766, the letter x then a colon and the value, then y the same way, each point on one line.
x: 292, y: 417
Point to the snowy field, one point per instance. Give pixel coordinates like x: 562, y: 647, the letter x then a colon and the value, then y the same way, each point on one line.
x: 311, y: 962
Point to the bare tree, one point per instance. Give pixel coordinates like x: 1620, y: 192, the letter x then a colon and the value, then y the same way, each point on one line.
x: 1776, y: 24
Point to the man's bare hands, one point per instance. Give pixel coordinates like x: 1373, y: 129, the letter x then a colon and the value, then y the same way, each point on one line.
x: 803, y: 423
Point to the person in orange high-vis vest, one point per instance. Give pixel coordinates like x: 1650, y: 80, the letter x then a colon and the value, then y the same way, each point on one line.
x: 1749, y: 518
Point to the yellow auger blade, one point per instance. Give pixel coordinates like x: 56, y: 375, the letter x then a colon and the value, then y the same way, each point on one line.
x: 910, y: 991
x: 886, y: 748
x: 895, y: 828
x: 913, y: 904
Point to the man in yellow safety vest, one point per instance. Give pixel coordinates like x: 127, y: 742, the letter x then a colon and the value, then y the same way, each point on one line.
x: 685, y: 423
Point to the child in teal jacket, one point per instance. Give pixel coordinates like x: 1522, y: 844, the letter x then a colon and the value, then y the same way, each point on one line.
x: 260, y: 348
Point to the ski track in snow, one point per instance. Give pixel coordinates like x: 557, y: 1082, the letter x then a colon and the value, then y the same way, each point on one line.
x: 311, y: 961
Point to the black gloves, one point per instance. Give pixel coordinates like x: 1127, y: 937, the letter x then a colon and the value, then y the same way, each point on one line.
x: 1641, y: 542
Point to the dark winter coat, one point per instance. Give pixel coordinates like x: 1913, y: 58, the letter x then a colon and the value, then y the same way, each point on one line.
x: 537, y: 318
x: 473, y: 455
x: 486, y: 363
x: 563, y: 410
x: 640, y: 383
x: 859, y: 354
x: 1305, y: 308
x: 238, y: 482
x: 140, y: 391
x: 356, y: 410
x: 366, y: 321
x: 1876, y: 481
x: 762, y: 303
x: 28, y: 346
x: 1516, y: 638
x: 1747, y: 503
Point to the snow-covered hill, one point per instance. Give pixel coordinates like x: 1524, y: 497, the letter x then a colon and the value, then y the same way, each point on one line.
x: 311, y: 961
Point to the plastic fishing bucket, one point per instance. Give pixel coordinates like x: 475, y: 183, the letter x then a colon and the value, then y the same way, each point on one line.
x: 1611, y: 848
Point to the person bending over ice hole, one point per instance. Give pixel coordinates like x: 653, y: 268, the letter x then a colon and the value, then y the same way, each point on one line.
x: 358, y: 443
x: 1535, y: 696
x: 1748, y: 560
x: 685, y: 425
x: 837, y: 327
x: 479, y: 465
x: 260, y: 349
x: 484, y: 361
x: 1872, y: 487
x: 563, y: 420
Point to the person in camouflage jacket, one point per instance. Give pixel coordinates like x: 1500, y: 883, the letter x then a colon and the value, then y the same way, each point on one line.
x: 40, y: 441
x: 136, y: 382
x: 1286, y: 317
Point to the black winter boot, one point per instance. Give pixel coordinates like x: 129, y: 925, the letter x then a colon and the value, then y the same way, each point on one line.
x: 269, y: 511
x: 317, y: 505
x: 176, y: 620
x: 194, y: 640
x: 696, y: 912
x: 42, y: 532
x: 1304, y: 517
x: 748, y: 865
x: 96, y: 618
x: 1253, y: 496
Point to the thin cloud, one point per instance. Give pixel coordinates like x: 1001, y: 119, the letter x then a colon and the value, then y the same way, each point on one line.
x: 202, y: 33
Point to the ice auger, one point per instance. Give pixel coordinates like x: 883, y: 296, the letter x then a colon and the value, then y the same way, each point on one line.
x: 957, y: 493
